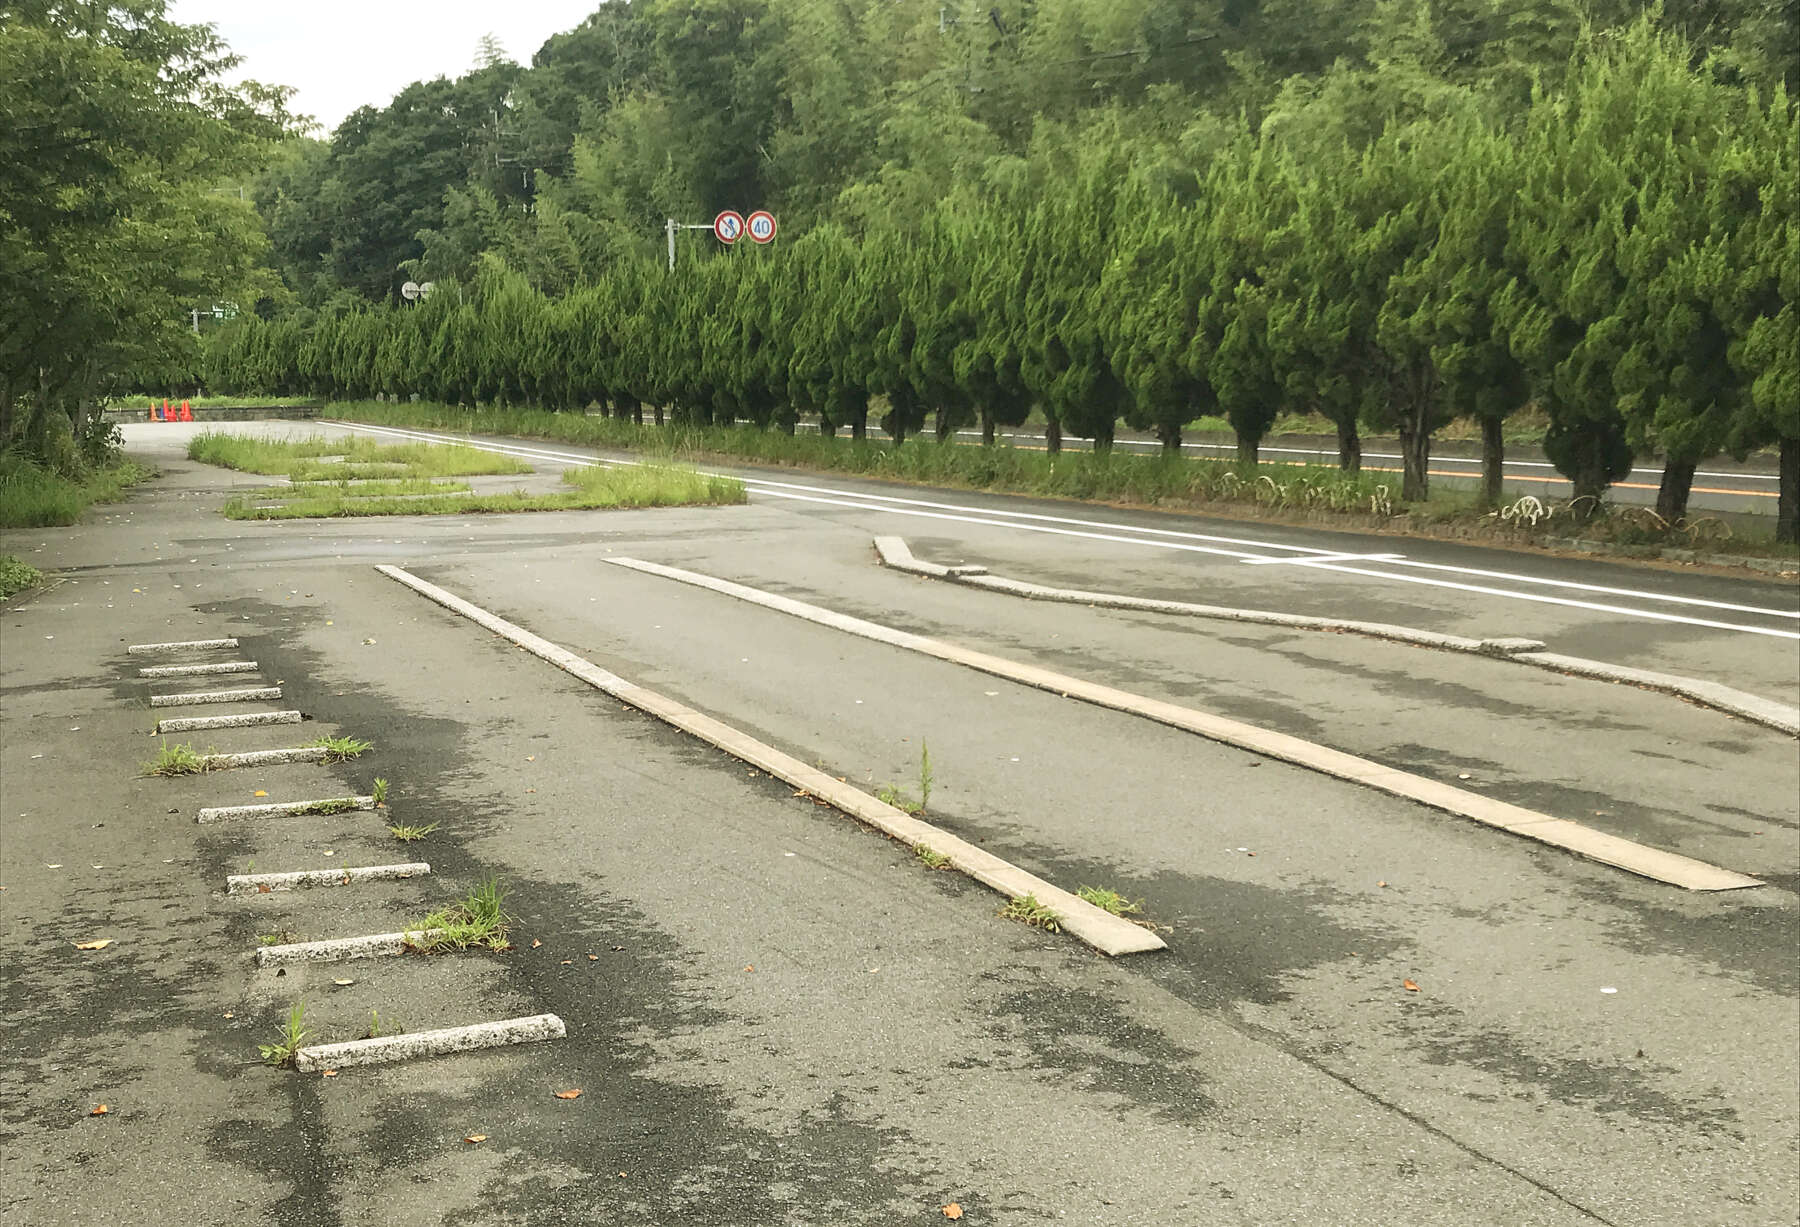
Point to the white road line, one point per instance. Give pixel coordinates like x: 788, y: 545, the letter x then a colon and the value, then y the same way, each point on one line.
x: 1158, y: 538
x: 1265, y: 562
x: 1401, y: 560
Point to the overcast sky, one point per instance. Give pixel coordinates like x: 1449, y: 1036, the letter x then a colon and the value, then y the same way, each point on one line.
x: 340, y: 54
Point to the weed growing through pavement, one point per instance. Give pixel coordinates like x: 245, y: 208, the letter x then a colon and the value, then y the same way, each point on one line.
x: 887, y: 794
x: 410, y: 835
x: 924, y: 775
x: 1028, y: 911
x: 176, y: 759
x: 277, y: 939
x: 333, y: 805
x: 1110, y: 900
x: 931, y: 858
x: 381, y: 787
x: 374, y: 1025
x: 339, y: 749
x: 478, y: 920
x: 289, y: 1040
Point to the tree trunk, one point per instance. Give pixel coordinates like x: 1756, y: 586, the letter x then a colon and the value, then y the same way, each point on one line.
x: 1787, y: 505
x: 637, y: 412
x: 1052, y: 436
x: 1248, y: 447
x: 1103, y: 437
x: 945, y: 426
x: 987, y: 428
x: 1672, y: 494
x: 859, y: 424
x: 1169, y: 435
x: 1415, y: 452
x: 827, y: 427
x: 1493, y: 461
x: 788, y: 423
x: 1349, y: 447
x: 899, y: 431
x: 658, y: 411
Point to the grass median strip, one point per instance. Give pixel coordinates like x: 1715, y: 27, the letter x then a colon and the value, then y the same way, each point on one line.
x: 1653, y: 863
x: 590, y: 489
x: 1106, y: 933
x: 299, y: 459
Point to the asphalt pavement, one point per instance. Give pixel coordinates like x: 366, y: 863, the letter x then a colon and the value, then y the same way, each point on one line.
x: 776, y: 1015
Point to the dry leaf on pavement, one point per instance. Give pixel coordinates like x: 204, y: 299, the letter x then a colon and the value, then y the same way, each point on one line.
x: 102, y: 944
x: 328, y: 1073
x: 476, y: 1137
x: 100, y: 1109
x: 535, y: 943
x: 953, y: 1210
x: 1409, y: 986
x: 574, y: 1094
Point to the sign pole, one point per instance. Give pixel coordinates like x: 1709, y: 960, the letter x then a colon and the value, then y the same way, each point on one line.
x: 671, y: 230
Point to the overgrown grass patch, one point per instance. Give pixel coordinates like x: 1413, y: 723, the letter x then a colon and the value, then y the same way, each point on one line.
x: 32, y: 496
x: 591, y: 489
x: 1028, y: 911
x: 411, y: 834
x: 478, y: 920
x: 16, y: 575
x: 359, y: 488
x: 341, y: 749
x: 177, y: 759
x: 298, y: 459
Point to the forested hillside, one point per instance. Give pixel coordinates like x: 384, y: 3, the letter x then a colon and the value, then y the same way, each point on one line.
x: 1392, y: 214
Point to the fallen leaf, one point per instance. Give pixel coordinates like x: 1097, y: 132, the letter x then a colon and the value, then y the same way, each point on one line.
x: 100, y: 1109
x: 531, y: 790
x: 342, y: 983
x: 953, y: 1210
x: 531, y: 758
x: 574, y: 1094
x: 593, y: 958
x: 1381, y: 883
x: 52, y: 866
x: 102, y: 944
x: 262, y: 888
x: 565, y: 962
x: 476, y: 1137
x: 328, y: 1073
x: 259, y: 793
x: 535, y: 943
x: 1409, y: 986
x: 749, y: 966
x: 229, y: 1014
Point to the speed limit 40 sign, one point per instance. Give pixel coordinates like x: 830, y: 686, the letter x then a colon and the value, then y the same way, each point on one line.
x: 761, y: 225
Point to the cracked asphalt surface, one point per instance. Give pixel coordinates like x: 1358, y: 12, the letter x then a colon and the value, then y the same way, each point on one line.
x: 776, y: 1015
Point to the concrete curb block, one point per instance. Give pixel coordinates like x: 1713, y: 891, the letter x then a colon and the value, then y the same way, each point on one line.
x: 191, y: 645
x: 304, y: 879
x: 233, y: 666
x: 1670, y: 867
x: 342, y: 949
x: 440, y: 1043
x: 244, y: 720
x: 1100, y: 929
x: 1778, y: 716
x: 1747, y: 706
x: 283, y: 809
x: 249, y: 695
x: 263, y: 758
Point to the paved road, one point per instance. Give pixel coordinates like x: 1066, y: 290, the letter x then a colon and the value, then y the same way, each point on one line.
x: 786, y: 1019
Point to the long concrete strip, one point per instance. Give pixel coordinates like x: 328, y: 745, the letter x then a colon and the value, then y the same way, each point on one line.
x: 894, y: 552
x: 1100, y: 929
x: 264, y: 758
x: 250, y: 694
x: 305, y: 879
x: 342, y: 949
x: 243, y: 720
x: 439, y: 1043
x: 226, y: 666
x: 170, y: 649
x: 285, y: 809
x: 1670, y: 867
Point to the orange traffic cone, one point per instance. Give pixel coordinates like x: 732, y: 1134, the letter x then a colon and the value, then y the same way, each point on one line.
x: 167, y: 413
x: 187, y: 415
x: 152, y: 411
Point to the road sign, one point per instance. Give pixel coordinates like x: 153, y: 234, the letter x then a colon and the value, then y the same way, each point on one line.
x: 761, y: 225
x: 410, y: 291
x: 728, y: 227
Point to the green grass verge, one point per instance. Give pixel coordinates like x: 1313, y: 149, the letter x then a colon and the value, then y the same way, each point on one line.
x: 16, y: 575
x: 35, y: 497
x: 298, y: 458
x: 367, y: 489
x: 592, y: 489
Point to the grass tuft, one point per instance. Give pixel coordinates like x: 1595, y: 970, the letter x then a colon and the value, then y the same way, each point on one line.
x: 1110, y: 901
x: 411, y: 834
x: 931, y: 858
x: 340, y: 749
x: 289, y: 1040
x: 176, y: 759
x: 1028, y: 911
x: 16, y: 575
x: 478, y: 920
x: 380, y: 792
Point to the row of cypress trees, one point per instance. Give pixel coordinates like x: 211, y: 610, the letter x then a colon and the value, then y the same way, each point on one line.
x: 1626, y: 256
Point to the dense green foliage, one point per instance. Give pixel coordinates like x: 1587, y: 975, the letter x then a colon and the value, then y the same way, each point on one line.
x: 1389, y: 247
x: 115, y: 129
